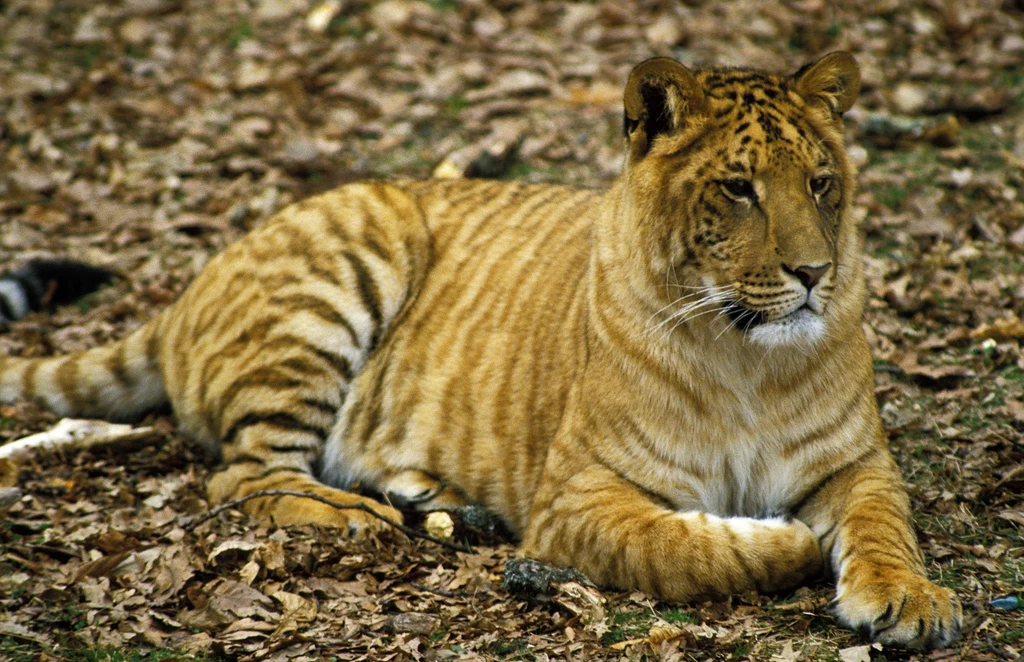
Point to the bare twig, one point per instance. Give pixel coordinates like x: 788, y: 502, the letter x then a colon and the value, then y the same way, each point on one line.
x: 72, y: 434
x: 440, y: 591
x: 412, y: 533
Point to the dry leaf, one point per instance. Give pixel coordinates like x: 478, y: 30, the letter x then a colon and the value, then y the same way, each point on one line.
x: 232, y: 546
x: 787, y: 654
x: 583, y: 601
x: 1009, y: 328
x: 858, y: 653
x: 321, y: 16
x: 908, y: 363
x: 9, y: 471
x: 855, y: 654
x: 660, y: 639
x: 248, y: 573
x: 8, y: 497
x: 1015, y: 516
x: 18, y: 631
x: 415, y: 623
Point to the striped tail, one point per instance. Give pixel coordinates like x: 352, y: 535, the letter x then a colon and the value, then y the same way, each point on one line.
x: 115, y: 382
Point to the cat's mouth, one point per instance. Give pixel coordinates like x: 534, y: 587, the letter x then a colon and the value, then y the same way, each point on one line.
x: 801, y: 327
x: 743, y: 318
x: 746, y: 320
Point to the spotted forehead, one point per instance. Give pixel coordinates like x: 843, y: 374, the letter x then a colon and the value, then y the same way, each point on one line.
x: 762, y: 118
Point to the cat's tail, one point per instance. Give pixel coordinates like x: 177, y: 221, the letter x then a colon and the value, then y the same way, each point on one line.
x: 117, y: 381
x: 44, y: 283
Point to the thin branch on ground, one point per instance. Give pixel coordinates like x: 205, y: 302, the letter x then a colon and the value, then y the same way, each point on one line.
x: 440, y: 591
x: 412, y: 533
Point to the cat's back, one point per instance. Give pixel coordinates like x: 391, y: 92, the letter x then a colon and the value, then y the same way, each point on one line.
x: 474, y: 376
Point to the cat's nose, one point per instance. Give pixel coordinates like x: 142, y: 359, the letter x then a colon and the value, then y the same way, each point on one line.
x: 809, y: 274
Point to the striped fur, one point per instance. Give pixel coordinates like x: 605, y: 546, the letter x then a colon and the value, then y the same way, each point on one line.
x: 664, y: 384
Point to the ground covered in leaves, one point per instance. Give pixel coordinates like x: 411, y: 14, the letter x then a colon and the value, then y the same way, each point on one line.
x: 145, y: 135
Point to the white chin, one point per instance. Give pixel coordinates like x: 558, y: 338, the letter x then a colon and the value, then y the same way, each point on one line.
x: 804, y: 327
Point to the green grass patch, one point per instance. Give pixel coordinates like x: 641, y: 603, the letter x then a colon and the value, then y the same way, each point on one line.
x: 623, y: 625
x: 993, y: 263
x: 888, y: 249
x: 343, y: 26
x: 134, y: 52
x: 455, y: 104
x: 18, y: 650
x: 443, y: 5
x: 512, y: 649
x: 87, y: 55
x: 678, y: 617
x: 1013, y: 373
x: 741, y: 652
x: 83, y: 56
x: 104, y: 654
x: 986, y: 145
x: 239, y: 33
x: 891, y: 196
x: 1013, y: 635
x: 85, y: 304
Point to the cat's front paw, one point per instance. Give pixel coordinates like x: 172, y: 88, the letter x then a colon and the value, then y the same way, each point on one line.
x: 898, y: 608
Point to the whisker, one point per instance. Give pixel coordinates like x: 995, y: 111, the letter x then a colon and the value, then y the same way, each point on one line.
x: 744, y: 317
x: 720, y: 311
x: 708, y: 299
x: 690, y: 318
x: 676, y: 301
x: 687, y: 316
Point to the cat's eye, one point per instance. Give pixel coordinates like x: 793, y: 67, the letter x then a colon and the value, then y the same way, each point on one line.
x: 739, y: 189
x: 820, y: 185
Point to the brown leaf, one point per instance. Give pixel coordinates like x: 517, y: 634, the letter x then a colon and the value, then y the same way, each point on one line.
x: 1015, y: 516
x: 787, y: 654
x: 858, y: 653
x: 17, y: 631
x: 236, y: 545
x: 298, y: 611
x: 101, y: 567
x: 1012, y: 481
x: 8, y: 497
x: 248, y: 572
x: 113, y: 541
x: 335, y: 589
x: 1009, y: 328
x: 8, y: 472
x: 583, y: 601
x: 414, y: 623
x: 228, y: 600
x: 908, y: 363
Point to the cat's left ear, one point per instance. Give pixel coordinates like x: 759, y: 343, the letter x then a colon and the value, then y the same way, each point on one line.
x: 661, y: 96
x: 834, y: 80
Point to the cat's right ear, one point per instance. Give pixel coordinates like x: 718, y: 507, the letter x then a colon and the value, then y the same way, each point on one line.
x: 833, y: 82
x: 661, y: 95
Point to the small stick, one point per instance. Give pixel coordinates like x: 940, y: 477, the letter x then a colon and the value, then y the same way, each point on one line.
x: 70, y: 435
x: 412, y: 533
x: 440, y: 591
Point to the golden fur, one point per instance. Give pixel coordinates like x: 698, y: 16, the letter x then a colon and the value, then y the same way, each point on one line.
x: 664, y: 384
